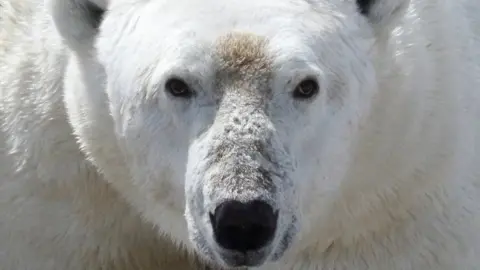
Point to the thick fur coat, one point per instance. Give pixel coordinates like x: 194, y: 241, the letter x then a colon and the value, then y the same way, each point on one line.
x: 125, y: 124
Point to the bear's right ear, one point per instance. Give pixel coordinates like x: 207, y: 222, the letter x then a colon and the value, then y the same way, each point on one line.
x: 78, y: 21
x: 382, y: 14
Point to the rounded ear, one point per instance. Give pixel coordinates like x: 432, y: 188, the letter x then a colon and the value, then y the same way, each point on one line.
x: 382, y: 14
x: 77, y: 21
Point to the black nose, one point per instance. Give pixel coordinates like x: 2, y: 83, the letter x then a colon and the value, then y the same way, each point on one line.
x: 244, y: 226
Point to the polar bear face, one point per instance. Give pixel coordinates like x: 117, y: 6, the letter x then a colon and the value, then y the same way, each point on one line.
x: 238, y: 115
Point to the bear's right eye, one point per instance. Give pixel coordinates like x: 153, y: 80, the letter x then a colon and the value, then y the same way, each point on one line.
x: 178, y: 88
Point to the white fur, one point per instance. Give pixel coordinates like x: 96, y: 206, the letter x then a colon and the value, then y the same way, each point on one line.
x: 379, y: 171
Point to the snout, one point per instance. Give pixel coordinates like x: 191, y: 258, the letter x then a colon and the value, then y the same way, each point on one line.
x: 243, y: 227
x: 241, y: 211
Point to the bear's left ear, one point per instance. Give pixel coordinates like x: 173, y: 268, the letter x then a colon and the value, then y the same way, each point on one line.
x: 382, y: 13
x: 78, y: 21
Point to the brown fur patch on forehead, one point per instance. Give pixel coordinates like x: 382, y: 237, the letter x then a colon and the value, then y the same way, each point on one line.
x: 243, y: 56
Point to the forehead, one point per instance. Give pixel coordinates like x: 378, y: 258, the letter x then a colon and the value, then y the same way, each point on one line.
x: 205, y: 21
x: 241, y: 55
x: 239, y: 37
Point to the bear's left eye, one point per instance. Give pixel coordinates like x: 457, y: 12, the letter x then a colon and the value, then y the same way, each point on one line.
x: 178, y: 88
x: 306, y: 89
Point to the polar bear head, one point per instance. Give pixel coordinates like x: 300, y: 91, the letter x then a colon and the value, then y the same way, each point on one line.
x: 228, y: 124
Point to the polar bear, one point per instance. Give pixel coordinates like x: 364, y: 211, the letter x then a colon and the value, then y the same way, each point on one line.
x: 259, y: 134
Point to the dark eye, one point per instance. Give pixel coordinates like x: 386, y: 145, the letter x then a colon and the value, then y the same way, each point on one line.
x: 306, y: 89
x: 178, y: 88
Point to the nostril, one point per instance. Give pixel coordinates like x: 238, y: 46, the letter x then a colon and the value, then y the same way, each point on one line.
x: 244, y: 226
